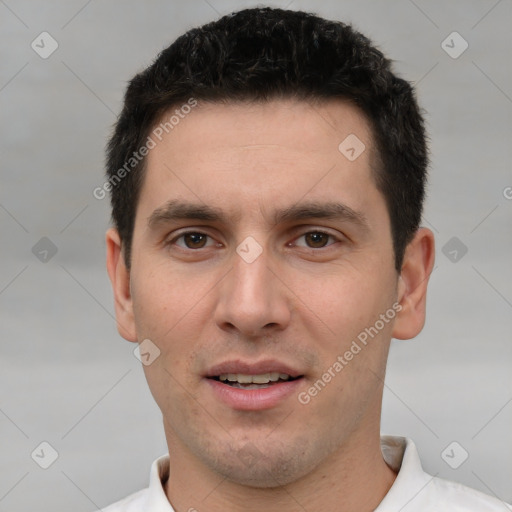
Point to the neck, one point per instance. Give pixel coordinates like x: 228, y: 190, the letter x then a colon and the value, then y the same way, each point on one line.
x: 354, y: 478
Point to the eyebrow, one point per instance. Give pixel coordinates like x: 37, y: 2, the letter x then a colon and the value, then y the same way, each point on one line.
x: 176, y: 209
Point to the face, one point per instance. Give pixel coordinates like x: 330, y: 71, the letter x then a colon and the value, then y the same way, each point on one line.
x: 262, y: 251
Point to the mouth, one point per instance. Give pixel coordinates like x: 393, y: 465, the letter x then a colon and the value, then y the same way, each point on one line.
x: 248, y: 382
x: 253, y: 386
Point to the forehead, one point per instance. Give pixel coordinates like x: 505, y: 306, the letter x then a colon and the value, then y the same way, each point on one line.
x: 279, y: 122
x: 246, y: 154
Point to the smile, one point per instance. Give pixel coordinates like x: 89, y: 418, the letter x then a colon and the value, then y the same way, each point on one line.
x: 245, y: 381
x: 228, y: 390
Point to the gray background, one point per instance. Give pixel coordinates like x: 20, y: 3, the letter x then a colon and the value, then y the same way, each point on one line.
x: 67, y: 378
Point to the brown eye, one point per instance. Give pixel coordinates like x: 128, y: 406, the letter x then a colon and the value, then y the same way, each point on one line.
x: 194, y: 240
x: 316, y: 239
x: 191, y: 240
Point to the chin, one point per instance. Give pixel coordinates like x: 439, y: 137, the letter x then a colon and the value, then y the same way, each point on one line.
x: 267, y: 467
x: 261, y: 476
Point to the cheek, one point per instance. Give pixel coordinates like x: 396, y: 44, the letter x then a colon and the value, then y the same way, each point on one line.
x: 167, y: 310
x: 161, y: 298
x: 342, y: 302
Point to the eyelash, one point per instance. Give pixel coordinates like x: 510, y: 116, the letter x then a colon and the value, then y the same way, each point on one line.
x: 315, y: 231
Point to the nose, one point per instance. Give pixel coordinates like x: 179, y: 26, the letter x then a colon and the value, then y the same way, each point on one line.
x: 253, y: 301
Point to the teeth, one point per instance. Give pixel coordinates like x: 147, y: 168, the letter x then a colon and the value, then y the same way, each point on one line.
x: 243, y: 379
x: 263, y: 378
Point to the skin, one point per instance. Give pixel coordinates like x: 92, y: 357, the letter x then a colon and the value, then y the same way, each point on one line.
x: 302, y: 301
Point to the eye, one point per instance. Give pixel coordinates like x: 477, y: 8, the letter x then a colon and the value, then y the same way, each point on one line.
x: 191, y: 240
x: 316, y: 239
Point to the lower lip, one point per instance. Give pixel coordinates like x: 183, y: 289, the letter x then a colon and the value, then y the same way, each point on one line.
x: 254, y: 399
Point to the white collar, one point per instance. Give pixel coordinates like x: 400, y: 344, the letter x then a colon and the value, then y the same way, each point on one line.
x: 412, y: 491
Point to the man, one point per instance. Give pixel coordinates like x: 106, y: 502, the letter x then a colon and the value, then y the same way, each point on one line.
x: 267, y: 176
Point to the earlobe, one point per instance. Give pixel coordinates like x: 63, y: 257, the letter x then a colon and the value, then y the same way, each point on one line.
x: 120, y: 280
x: 412, y: 285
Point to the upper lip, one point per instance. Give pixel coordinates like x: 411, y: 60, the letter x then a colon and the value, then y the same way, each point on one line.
x: 254, y: 368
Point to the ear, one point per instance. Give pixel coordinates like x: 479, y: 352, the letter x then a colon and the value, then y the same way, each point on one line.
x: 120, y: 279
x: 412, y: 285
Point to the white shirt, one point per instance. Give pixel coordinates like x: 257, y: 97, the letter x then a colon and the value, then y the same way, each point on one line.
x: 412, y: 491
